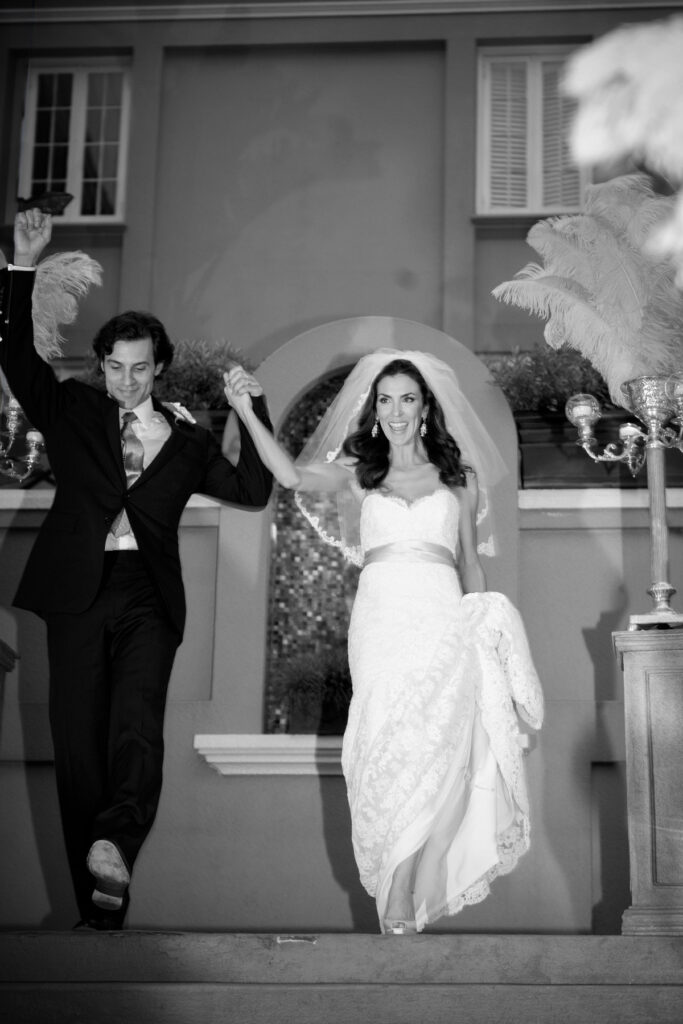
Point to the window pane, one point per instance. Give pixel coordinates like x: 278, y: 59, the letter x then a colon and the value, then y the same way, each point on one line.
x: 108, y: 198
x: 114, y: 90
x: 91, y: 162
x: 45, y: 90
x: 64, y: 86
x: 41, y: 162
x: 43, y: 126
x: 93, y: 128
x: 60, y: 156
x: 112, y: 123
x: 61, y: 125
x: 95, y: 89
x: 110, y: 158
x: 89, y: 199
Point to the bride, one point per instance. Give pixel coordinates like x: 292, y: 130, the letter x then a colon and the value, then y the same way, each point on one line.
x: 431, y: 753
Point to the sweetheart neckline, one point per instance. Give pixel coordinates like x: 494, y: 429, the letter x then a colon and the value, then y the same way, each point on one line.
x: 406, y: 502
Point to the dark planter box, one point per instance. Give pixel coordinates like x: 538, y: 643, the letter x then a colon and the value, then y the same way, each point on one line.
x: 550, y: 456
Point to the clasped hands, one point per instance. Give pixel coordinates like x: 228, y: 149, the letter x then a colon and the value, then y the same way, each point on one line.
x: 240, y: 387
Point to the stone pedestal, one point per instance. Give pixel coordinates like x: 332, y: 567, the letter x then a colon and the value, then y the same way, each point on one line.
x: 652, y: 662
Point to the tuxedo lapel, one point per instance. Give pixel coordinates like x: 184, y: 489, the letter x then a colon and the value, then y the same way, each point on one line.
x: 112, y: 429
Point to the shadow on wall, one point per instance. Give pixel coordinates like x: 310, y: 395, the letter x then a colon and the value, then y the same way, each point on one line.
x: 33, y: 854
x: 609, y: 825
x: 337, y: 835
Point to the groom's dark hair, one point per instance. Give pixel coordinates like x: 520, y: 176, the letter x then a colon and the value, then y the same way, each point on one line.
x: 132, y: 326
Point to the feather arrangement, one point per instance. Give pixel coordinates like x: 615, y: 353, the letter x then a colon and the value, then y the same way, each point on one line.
x: 600, y: 290
x: 61, y: 281
x: 628, y: 86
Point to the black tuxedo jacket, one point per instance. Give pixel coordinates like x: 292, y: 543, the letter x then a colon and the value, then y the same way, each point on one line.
x: 82, y: 434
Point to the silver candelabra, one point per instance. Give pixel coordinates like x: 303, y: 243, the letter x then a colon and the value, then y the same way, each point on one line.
x: 658, y: 404
x: 17, y: 468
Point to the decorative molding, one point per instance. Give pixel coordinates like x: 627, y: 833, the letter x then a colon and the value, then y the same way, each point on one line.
x: 271, y: 754
x: 272, y: 9
x: 578, y: 499
x: 281, y: 753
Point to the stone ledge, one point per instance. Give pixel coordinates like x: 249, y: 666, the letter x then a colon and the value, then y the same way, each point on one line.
x: 281, y: 753
x: 334, y: 958
x: 271, y: 754
x: 173, y: 978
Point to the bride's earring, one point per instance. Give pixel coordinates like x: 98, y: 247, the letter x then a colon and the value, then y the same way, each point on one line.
x: 423, y: 428
x: 375, y: 428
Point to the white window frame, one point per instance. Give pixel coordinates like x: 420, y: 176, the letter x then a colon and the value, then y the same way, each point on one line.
x: 79, y: 69
x: 533, y: 57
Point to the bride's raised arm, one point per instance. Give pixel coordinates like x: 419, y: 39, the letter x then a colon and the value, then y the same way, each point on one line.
x: 324, y: 476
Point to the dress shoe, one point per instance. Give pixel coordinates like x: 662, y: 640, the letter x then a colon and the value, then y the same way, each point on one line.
x: 108, y: 868
x: 394, y: 926
x: 99, y: 924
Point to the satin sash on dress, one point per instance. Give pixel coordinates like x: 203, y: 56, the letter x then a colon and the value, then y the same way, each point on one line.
x: 410, y: 551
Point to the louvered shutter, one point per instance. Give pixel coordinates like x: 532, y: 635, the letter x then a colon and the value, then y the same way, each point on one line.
x: 507, y: 140
x: 561, y: 182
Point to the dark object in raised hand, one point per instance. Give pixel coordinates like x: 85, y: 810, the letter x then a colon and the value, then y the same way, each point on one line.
x: 47, y: 202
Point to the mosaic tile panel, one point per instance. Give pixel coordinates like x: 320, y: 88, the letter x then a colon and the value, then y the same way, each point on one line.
x: 310, y: 595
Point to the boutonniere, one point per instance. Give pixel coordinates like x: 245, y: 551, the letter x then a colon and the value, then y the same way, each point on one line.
x: 179, y: 411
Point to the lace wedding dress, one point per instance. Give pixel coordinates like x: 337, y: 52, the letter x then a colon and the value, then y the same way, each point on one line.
x: 431, y: 754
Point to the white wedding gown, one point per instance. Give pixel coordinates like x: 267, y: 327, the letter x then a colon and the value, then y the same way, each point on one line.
x: 431, y: 753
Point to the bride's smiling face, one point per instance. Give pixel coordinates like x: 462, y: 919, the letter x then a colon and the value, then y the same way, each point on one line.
x: 399, y: 408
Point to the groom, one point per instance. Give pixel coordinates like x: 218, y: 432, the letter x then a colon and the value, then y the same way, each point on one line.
x: 105, y: 573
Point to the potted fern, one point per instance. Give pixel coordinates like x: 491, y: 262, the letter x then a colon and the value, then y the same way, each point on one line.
x: 195, y: 379
x: 606, y: 298
x: 536, y: 385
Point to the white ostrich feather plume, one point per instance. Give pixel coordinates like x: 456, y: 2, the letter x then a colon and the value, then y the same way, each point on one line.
x: 61, y: 280
x: 600, y: 289
x: 667, y: 241
x: 629, y: 87
x: 629, y: 91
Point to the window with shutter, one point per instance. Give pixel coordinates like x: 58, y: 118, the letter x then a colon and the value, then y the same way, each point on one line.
x: 75, y: 136
x: 523, y: 162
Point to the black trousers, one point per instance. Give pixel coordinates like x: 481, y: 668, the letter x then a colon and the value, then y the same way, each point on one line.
x: 109, y: 672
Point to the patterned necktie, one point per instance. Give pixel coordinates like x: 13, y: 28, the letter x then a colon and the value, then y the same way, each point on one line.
x: 133, y: 454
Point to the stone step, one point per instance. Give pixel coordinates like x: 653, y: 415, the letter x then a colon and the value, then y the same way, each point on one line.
x: 208, y: 978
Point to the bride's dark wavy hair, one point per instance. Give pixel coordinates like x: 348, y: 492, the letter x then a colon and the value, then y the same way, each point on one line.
x: 372, y: 453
